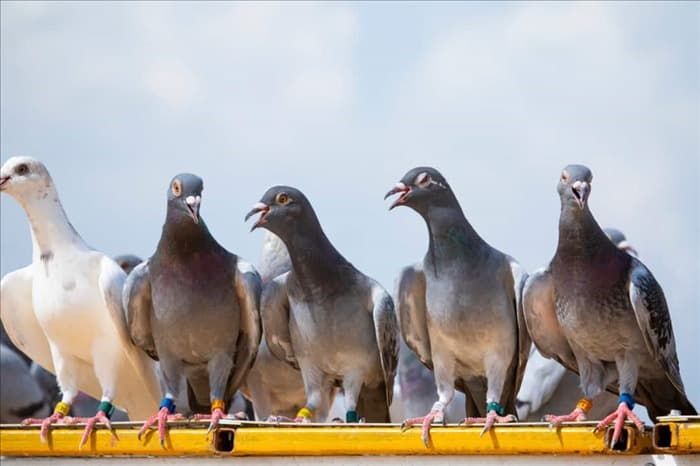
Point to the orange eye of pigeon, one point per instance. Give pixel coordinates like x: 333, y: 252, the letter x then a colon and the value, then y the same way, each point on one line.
x: 282, y: 199
x: 177, y: 188
x: 564, y: 177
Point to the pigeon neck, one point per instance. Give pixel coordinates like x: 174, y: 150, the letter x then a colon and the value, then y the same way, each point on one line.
x: 49, y: 223
x: 312, y: 254
x: 451, y: 234
x: 181, y: 235
x: 580, y: 236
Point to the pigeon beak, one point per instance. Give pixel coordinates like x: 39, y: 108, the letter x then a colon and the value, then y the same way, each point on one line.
x: 627, y: 247
x: 3, y: 181
x: 581, y: 190
x: 399, y: 188
x: 259, y: 207
x: 192, y: 203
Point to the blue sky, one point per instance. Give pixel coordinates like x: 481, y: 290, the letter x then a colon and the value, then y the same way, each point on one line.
x: 341, y: 99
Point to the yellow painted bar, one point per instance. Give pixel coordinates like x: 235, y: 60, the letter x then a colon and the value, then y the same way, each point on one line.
x: 259, y: 439
x: 677, y: 434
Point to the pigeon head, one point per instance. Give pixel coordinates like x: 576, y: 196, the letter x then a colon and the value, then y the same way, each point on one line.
x: 185, y: 196
x: 619, y: 239
x: 420, y: 188
x: 575, y: 186
x: 22, y: 177
x: 281, y: 208
x: 127, y: 262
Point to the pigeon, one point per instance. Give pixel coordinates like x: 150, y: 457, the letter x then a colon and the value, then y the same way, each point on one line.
x: 417, y: 389
x: 547, y: 385
x: 325, y: 317
x: 272, y: 385
x: 70, y: 285
x: 463, y: 291
x: 20, y: 394
x: 128, y: 262
x: 601, y: 313
x: 194, y: 307
x: 83, y: 404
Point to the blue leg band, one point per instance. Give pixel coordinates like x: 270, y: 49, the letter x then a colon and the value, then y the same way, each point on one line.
x: 493, y: 406
x: 626, y: 398
x: 351, y: 416
x: 167, y: 403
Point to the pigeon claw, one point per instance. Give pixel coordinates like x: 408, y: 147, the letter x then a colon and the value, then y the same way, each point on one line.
x: 491, y: 418
x: 619, y: 416
x: 577, y: 415
x: 216, y: 415
x: 435, y: 415
x: 161, y: 418
x: 90, y: 422
x: 46, y: 423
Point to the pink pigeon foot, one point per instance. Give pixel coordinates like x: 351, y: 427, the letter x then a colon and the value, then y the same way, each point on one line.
x: 101, y: 417
x: 55, y: 418
x: 492, y: 417
x: 437, y: 414
x: 162, y: 417
x: 623, y: 412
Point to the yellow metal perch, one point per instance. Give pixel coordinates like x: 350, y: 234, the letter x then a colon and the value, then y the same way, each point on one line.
x: 236, y: 438
x: 677, y: 434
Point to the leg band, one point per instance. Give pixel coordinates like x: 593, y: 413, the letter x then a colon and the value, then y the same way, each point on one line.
x: 62, y: 408
x: 305, y: 412
x: 107, y: 408
x: 584, y: 405
x: 626, y: 398
x: 493, y: 406
x: 351, y: 416
x: 167, y: 403
x: 438, y: 406
x: 218, y: 404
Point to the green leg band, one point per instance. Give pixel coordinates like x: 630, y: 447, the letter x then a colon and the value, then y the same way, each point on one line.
x: 351, y: 416
x: 107, y: 408
x: 493, y: 406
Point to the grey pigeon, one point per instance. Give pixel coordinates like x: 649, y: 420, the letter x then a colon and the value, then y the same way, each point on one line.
x: 273, y: 386
x: 194, y: 306
x: 460, y: 308
x: 600, y: 313
x: 20, y: 394
x: 548, y: 387
x: 326, y: 317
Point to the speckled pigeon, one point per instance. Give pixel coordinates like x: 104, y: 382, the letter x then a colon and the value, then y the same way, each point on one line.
x: 194, y: 306
x: 601, y: 313
x: 460, y: 308
x: 326, y: 317
x: 549, y: 387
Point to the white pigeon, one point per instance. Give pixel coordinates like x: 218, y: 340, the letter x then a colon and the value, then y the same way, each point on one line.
x: 64, y: 310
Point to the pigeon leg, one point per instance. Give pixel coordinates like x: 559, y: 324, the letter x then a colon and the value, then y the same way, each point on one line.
x: 624, y: 411
x: 104, y: 412
x: 352, y: 384
x: 166, y: 412
x: 218, y: 408
x: 495, y: 413
x: 583, y: 406
x: 60, y: 412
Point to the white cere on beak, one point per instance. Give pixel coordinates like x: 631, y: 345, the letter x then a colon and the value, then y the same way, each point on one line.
x: 192, y: 200
x: 578, y: 184
x: 260, y: 206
